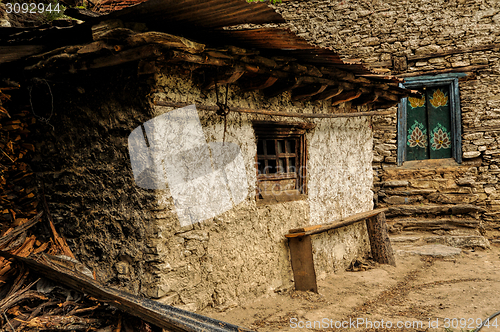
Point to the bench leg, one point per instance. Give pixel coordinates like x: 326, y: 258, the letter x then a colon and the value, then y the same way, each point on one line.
x: 302, y: 263
x: 379, y: 240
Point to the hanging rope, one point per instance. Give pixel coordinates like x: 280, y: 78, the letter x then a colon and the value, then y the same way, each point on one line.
x: 223, y: 109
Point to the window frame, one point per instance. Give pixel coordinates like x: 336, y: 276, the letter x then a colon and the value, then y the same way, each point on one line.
x: 450, y: 80
x: 270, y: 130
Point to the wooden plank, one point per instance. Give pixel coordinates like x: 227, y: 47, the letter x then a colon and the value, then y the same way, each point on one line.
x: 460, y: 50
x: 301, y: 257
x: 379, y: 240
x: 276, y: 113
x: 442, y: 71
x: 338, y: 224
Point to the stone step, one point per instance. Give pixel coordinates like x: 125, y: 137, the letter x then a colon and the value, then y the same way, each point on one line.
x: 432, y: 250
x: 440, y: 225
x: 427, y: 209
x: 457, y: 241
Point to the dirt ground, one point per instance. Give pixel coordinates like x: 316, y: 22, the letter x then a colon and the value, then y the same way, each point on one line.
x: 428, y: 294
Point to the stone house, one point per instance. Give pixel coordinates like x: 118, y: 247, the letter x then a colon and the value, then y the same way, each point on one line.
x: 297, y: 129
x: 436, y: 155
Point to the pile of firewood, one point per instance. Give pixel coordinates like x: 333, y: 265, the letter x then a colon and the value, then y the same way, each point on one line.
x: 28, y: 301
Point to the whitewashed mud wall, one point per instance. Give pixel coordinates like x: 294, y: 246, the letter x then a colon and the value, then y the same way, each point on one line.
x: 243, y: 253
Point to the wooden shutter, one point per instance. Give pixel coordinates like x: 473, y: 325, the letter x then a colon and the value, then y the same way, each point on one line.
x: 417, y: 142
x: 438, y: 110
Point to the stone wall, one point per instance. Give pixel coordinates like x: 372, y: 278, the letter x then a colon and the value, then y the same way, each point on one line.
x: 414, y: 38
x: 132, y: 237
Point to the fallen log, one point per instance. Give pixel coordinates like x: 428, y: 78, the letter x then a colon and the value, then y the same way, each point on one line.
x: 156, y: 313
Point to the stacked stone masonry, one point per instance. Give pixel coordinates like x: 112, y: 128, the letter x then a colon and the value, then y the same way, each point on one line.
x: 414, y: 38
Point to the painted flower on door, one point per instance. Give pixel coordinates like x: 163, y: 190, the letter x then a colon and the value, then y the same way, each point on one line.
x: 416, y: 102
x: 417, y: 135
x: 440, y: 138
x: 439, y: 99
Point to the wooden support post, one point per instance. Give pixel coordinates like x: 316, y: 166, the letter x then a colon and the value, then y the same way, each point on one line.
x: 379, y: 240
x: 302, y: 263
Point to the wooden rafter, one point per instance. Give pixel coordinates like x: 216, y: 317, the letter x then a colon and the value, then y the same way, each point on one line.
x: 329, y: 93
x: 282, y: 86
x: 308, y: 91
x: 364, y: 99
x: 346, y: 96
x: 257, y: 83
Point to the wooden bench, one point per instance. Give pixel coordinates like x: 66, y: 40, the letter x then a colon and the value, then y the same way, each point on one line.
x: 299, y: 241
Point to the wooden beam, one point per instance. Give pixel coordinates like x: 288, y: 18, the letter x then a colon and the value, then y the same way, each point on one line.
x: 346, y: 96
x: 443, y: 71
x: 176, y: 56
x: 329, y: 93
x: 257, y: 83
x: 282, y: 86
x: 307, y: 91
x: 379, y: 240
x: 365, y: 98
x: 166, y: 40
x: 229, y: 76
x: 276, y: 113
x: 459, y: 50
x: 12, y: 53
x: 138, y: 53
x: 309, y: 230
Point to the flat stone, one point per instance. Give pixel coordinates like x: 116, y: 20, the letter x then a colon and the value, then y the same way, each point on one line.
x: 405, y: 239
x: 397, y: 183
x: 460, y: 241
x: 471, y: 154
x: 433, y: 250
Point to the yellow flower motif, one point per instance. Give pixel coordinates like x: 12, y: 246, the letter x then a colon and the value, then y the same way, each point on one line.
x: 439, y: 99
x: 416, y: 102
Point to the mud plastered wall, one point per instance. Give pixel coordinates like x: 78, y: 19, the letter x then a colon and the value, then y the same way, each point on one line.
x: 411, y: 38
x: 82, y: 157
x: 243, y: 253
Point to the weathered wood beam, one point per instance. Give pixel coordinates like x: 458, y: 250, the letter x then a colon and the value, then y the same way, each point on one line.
x: 95, y: 47
x: 387, y: 95
x: 229, y: 76
x: 380, y: 244
x: 307, y: 91
x: 282, y: 86
x: 176, y: 56
x: 257, y: 83
x: 316, y: 229
x: 443, y: 71
x: 142, y: 52
x: 276, y: 113
x: 459, y: 50
x: 259, y: 61
x: 346, y: 96
x: 365, y: 99
x: 329, y: 93
x: 166, y: 40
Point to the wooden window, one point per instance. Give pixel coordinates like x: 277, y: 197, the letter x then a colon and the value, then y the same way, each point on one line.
x: 280, y: 161
x: 429, y: 127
